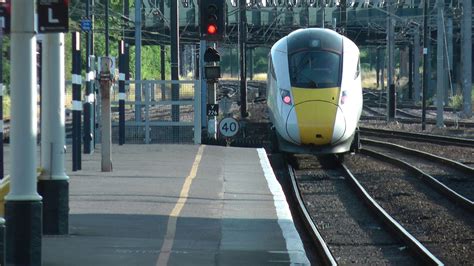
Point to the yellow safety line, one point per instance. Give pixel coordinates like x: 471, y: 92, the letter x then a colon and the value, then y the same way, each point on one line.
x: 173, y: 219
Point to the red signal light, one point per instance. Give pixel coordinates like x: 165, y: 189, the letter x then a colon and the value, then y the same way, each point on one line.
x: 211, y: 29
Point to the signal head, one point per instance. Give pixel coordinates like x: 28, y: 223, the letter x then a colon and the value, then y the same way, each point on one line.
x: 212, y: 14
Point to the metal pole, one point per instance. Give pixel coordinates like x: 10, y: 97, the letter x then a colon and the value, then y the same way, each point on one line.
x: 122, y: 95
x: 324, y: 15
x: 76, y: 101
x: 416, y: 63
x: 425, y: 65
x: 382, y: 70
x: 94, y: 91
x: 106, y: 27
x: 378, y: 66
x: 163, y: 61
x: 126, y: 14
x: 197, y: 114
x: 89, y: 103
x: 196, y: 61
x: 410, y: 72
x: 242, y: 49
x: 39, y: 53
x: 106, y: 136
x: 231, y: 57
x: 138, y: 60
x: 2, y: 172
x: 2, y: 221
x: 175, y: 66
x: 449, y: 59
x: 54, y: 183
x: 251, y: 63
x: 390, y: 64
x: 211, y: 99
x: 162, y: 46
x: 23, y: 206
x: 146, y: 87
x: 440, y: 71
x: 343, y: 17
x: 466, y: 53
x: 163, y: 55
x: 202, y: 50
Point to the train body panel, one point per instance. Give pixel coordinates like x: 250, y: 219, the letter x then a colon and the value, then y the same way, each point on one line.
x: 315, y: 129
x: 314, y: 92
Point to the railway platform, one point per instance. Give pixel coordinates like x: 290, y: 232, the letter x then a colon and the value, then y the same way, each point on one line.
x: 176, y: 205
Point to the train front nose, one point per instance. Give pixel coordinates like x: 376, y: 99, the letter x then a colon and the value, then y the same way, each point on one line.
x: 319, y: 120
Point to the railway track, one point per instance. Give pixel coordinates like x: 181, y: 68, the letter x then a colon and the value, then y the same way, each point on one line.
x: 375, y: 109
x: 349, y: 231
x: 451, y: 178
x: 406, y: 120
x: 418, y: 137
x: 400, y: 113
x: 444, y: 226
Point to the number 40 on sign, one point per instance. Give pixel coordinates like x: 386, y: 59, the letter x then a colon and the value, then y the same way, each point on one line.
x: 228, y: 126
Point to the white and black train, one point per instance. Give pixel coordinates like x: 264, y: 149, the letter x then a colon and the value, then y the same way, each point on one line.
x: 314, y: 92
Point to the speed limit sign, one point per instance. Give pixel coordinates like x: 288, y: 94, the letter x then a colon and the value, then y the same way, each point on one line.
x: 228, y: 127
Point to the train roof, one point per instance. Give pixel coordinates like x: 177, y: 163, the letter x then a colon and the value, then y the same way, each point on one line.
x: 314, y: 38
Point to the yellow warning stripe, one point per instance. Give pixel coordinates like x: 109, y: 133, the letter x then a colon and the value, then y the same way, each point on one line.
x: 173, y: 219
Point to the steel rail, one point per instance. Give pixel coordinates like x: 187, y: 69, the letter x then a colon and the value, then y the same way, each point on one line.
x: 431, y: 121
x: 415, y: 246
x: 418, y: 137
x: 321, y: 246
x: 454, y: 164
x: 400, y: 112
x: 430, y: 180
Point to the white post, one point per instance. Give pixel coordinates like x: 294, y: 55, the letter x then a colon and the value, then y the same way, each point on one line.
x: 23, y: 208
x: 52, y: 115
x: 23, y: 95
x: 54, y: 183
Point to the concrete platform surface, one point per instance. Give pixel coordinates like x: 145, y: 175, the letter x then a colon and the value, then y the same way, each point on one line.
x: 176, y: 205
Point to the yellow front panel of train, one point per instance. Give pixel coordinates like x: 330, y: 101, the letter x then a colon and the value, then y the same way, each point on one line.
x: 316, y: 111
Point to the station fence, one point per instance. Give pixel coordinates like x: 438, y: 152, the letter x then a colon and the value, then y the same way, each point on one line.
x: 155, y: 117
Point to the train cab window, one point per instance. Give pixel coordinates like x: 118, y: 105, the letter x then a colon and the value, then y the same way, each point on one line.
x: 315, y: 69
x: 272, y: 70
x: 357, y: 70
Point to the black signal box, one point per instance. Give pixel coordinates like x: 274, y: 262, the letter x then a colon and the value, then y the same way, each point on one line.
x: 211, y: 55
x: 212, y: 14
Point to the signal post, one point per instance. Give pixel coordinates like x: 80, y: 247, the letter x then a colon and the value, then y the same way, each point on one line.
x: 212, y: 72
x: 212, y: 29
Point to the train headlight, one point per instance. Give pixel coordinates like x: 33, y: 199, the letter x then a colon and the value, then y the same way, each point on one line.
x: 285, y: 96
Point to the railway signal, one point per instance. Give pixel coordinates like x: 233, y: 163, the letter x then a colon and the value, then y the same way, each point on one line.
x: 212, y: 14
